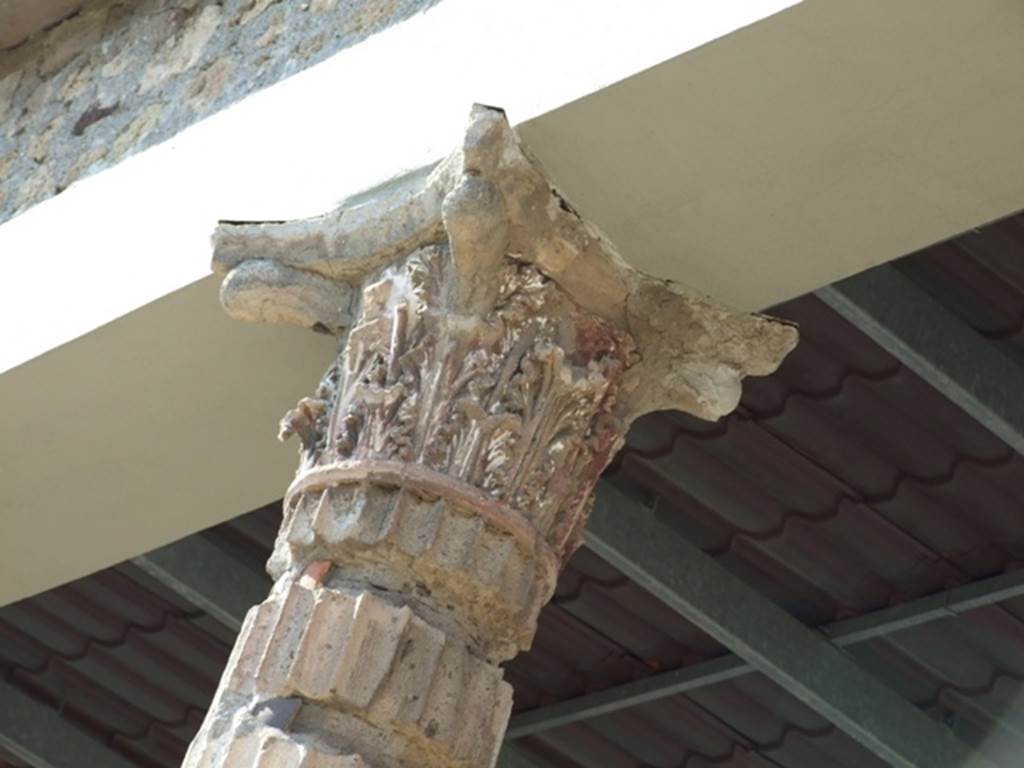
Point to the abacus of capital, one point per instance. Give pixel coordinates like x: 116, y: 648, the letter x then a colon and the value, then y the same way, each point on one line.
x: 493, y: 350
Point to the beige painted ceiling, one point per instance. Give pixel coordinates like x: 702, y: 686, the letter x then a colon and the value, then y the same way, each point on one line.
x: 819, y: 142
x: 804, y: 148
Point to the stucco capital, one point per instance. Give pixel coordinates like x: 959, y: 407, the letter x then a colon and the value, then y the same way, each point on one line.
x: 493, y: 349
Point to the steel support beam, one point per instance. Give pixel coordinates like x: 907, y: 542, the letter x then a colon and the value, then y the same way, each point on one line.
x: 633, y: 694
x: 39, y: 736
x: 912, y: 613
x: 841, y: 633
x: 939, y: 347
x: 206, y: 576
x: 800, y: 659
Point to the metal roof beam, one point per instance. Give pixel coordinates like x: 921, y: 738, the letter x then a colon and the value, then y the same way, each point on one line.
x: 632, y: 694
x: 942, y: 605
x: 841, y: 633
x: 800, y: 659
x: 920, y: 332
x: 206, y: 576
x: 39, y: 736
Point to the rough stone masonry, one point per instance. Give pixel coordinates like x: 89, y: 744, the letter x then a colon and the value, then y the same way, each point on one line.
x: 118, y: 77
x: 494, y: 349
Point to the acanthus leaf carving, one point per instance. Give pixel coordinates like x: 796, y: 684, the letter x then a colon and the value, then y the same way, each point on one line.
x: 514, y: 402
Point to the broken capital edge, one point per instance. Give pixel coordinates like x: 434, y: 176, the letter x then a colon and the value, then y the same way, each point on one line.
x: 493, y: 201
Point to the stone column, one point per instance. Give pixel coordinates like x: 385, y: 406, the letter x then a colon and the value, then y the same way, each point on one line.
x: 493, y: 350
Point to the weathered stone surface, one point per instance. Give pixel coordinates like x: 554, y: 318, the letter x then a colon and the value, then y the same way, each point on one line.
x: 354, y: 673
x: 492, y: 207
x: 481, y: 576
x: 182, y: 51
x: 300, y: 298
x: 139, y: 128
x: 268, y: 748
x: 211, y: 83
x: 68, y: 40
x: 165, y: 65
x: 493, y: 350
x: 8, y: 85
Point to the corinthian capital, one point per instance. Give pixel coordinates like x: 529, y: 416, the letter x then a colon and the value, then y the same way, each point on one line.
x: 494, y: 348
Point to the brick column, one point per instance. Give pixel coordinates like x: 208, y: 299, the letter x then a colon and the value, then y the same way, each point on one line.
x: 494, y: 349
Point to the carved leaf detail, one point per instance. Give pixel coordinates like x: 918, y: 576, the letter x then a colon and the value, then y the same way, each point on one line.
x: 507, y: 402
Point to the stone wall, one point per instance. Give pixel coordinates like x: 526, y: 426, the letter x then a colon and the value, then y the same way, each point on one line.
x: 121, y: 76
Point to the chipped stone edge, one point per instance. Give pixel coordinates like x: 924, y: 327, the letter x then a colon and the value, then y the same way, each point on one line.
x: 693, y: 351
